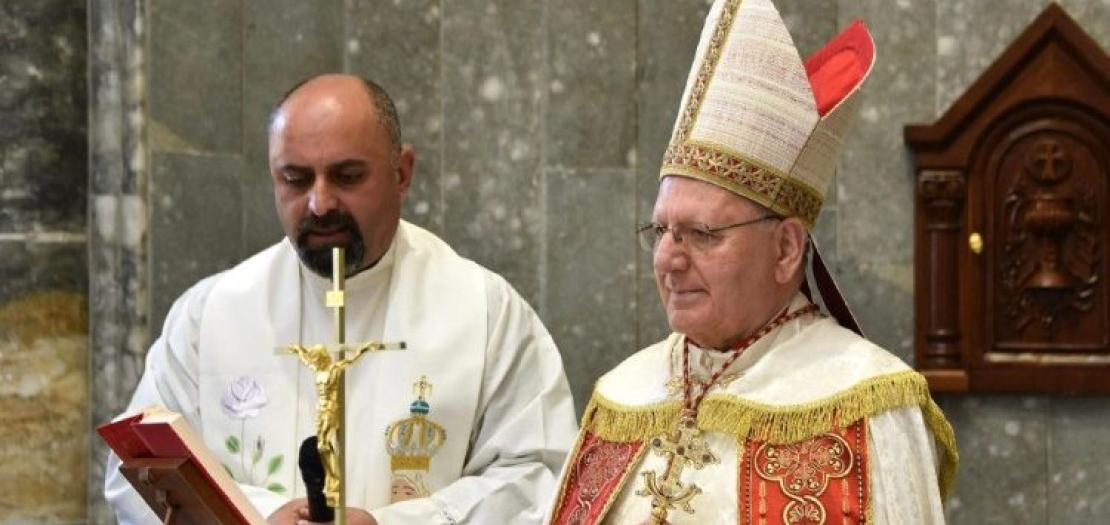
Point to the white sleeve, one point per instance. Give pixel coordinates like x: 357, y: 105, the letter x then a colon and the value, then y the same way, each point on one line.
x: 904, y: 467
x: 525, y: 429
x: 170, y: 380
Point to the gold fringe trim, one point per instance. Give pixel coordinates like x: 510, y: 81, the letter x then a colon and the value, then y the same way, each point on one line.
x: 946, y: 443
x: 783, y: 424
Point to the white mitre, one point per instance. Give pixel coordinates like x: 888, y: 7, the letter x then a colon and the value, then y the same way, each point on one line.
x: 756, y: 120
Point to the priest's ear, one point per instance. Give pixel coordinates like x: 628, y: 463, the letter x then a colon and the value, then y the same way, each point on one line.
x: 790, y: 250
x: 405, y: 166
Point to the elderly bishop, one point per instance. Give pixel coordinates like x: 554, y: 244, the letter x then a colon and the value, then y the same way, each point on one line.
x: 757, y: 409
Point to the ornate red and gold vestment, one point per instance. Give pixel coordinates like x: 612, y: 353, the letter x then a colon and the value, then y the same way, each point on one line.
x: 819, y: 427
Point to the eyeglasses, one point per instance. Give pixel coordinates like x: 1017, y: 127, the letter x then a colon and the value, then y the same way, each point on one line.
x: 698, y: 237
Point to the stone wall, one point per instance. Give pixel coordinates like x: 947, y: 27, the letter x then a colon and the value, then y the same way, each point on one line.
x: 539, y: 126
x: 43, y: 320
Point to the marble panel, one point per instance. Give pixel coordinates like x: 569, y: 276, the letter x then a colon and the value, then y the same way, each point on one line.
x: 493, y: 93
x: 186, y: 244
x: 1078, y: 468
x: 196, y: 76
x: 118, y: 221
x: 1003, y: 445
x: 284, y: 42
x: 30, y: 267
x: 398, y: 46
x: 590, y: 305
x: 42, y: 101
x: 591, y: 108
x: 44, y: 432
x: 971, y: 35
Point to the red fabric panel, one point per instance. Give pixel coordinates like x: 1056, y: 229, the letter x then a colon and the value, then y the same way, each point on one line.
x: 823, y: 480
x: 836, y: 69
x: 592, y: 478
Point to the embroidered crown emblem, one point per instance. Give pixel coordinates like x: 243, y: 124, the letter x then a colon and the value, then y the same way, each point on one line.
x: 412, y: 441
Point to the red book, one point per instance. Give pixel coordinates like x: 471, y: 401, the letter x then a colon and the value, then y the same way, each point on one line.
x: 157, y: 432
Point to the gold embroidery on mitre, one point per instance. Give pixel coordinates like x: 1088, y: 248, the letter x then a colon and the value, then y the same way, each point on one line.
x: 411, y: 443
x: 712, y: 163
x: 705, y: 72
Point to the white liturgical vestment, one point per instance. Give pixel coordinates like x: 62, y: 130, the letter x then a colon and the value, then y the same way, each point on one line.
x: 811, y: 424
x: 498, y: 390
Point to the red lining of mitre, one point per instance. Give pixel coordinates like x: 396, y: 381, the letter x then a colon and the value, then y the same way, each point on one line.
x: 836, y: 69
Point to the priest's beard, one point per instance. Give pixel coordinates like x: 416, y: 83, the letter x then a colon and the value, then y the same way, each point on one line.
x: 318, y: 258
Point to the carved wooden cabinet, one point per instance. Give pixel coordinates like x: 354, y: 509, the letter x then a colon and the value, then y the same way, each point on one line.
x: 1011, y: 233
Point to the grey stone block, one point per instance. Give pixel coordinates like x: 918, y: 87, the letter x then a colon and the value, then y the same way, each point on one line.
x: 493, y: 69
x: 875, y: 185
x: 1003, y: 445
x: 667, y: 36
x: 261, y: 227
x: 194, y: 224
x: 971, y: 35
x: 591, y: 110
x: 284, y: 42
x: 195, y: 72
x: 398, y: 46
x: 590, y: 305
x: 881, y: 297
x: 1078, y: 471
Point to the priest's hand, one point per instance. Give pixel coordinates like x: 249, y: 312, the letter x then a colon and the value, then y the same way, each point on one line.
x: 296, y: 513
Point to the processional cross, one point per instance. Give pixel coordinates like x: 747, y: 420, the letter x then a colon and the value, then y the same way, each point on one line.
x: 683, y: 446
x: 329, y: 365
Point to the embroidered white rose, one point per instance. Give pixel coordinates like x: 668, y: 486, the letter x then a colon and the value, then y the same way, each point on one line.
x: 244, y: 398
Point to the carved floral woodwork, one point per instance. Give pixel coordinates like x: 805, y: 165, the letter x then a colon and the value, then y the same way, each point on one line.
x: 1011, y: 232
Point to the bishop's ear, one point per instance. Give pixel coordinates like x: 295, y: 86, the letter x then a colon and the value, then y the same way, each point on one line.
x: 790, y: 240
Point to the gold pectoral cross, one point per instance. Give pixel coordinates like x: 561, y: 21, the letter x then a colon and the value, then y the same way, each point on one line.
x: 329, y: 364
x: 683, y: 447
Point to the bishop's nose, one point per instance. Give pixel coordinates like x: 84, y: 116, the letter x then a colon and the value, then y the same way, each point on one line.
x: 669, y: 256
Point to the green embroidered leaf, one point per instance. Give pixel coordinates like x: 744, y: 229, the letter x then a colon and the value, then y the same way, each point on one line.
x: 228, y: 469
x: 276, y: 488
x: 275, y: 464
x: 232, y: 444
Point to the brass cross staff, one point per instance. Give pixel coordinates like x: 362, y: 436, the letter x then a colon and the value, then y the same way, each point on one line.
x: 329, y: 365
x: 683, y: 446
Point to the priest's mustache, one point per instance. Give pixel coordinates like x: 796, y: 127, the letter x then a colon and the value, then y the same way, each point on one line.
x: 318, y: 258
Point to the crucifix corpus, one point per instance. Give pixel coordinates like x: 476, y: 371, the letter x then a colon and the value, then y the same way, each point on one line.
x: 329, y: 364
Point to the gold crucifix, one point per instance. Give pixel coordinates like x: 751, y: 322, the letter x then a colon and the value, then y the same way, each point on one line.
x: 330, y: 364
x: 682, y: 446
